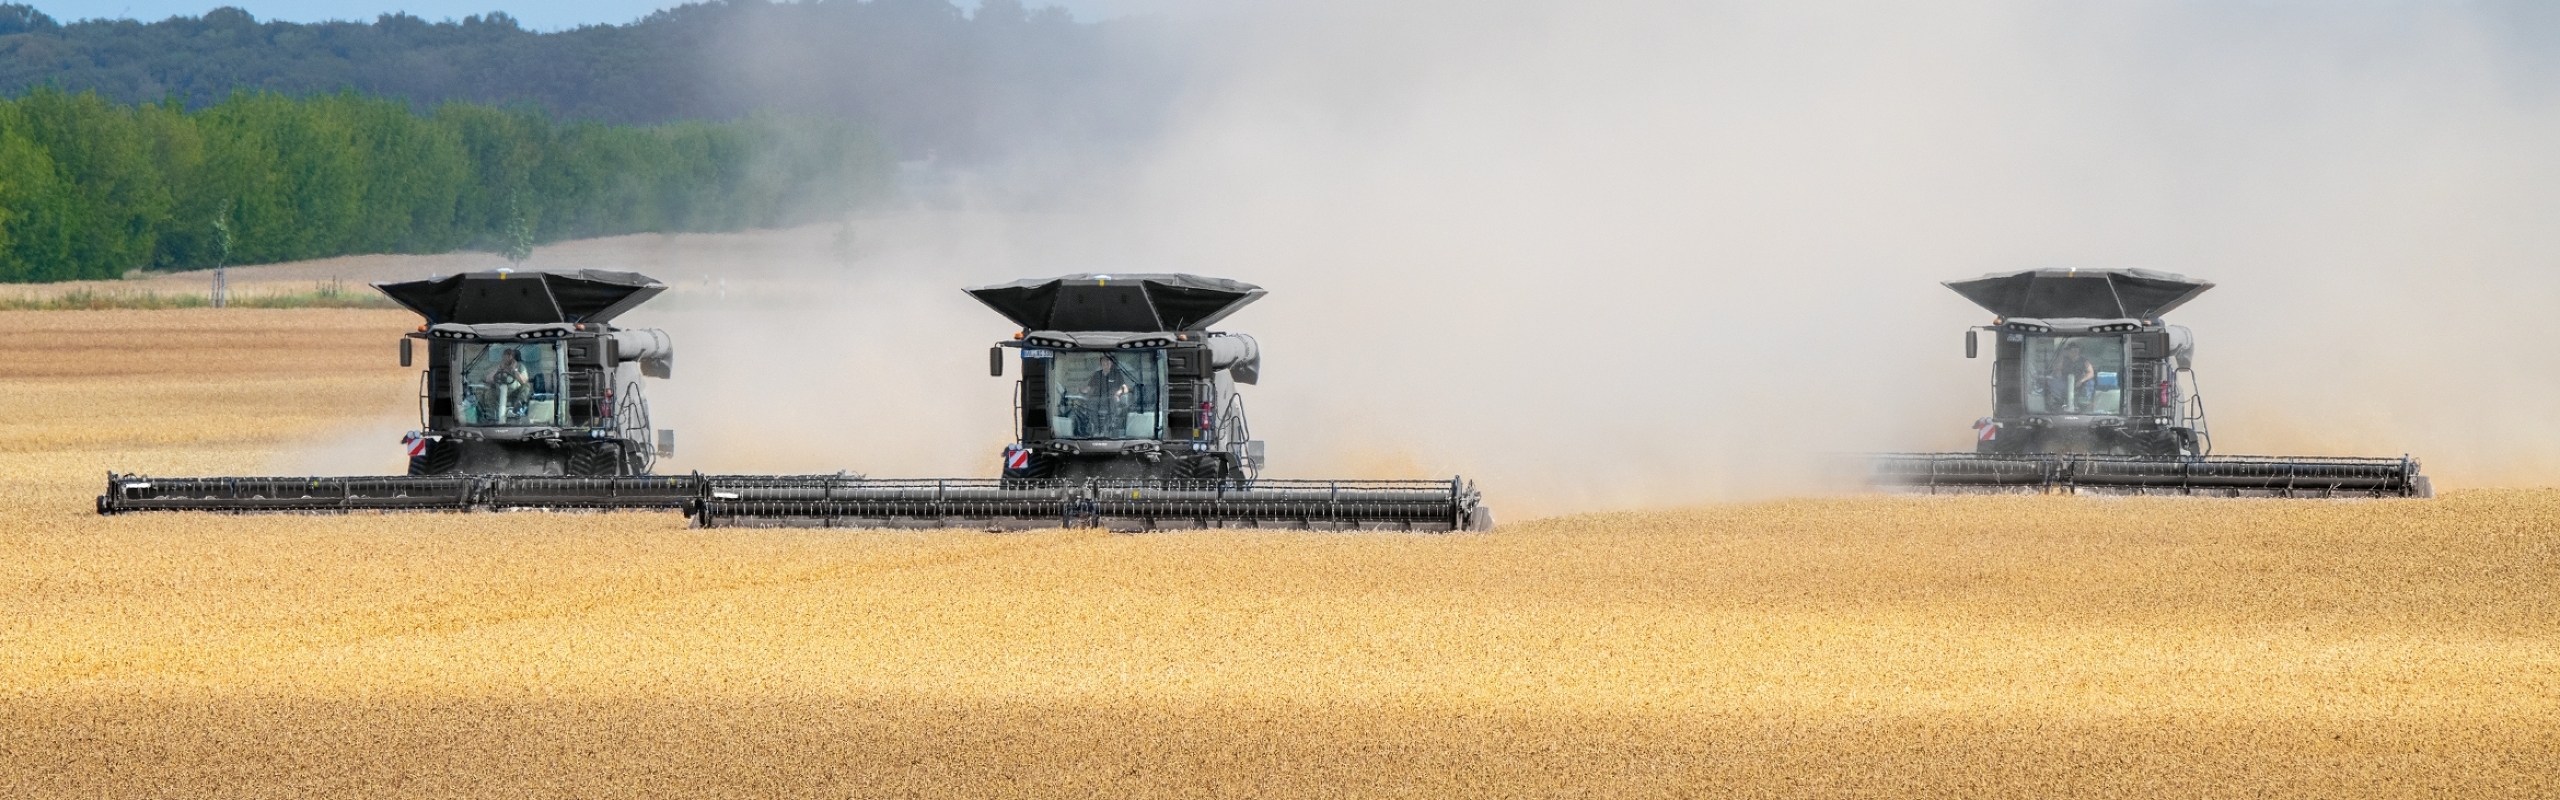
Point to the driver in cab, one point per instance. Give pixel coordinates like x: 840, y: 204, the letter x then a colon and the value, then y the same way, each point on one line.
x: 1108, y: 395
x: 509, y: 386
x: 2076, y: 377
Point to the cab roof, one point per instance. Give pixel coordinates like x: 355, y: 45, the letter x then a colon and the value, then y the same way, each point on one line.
x: 2084, y: 293
x: 1132, y: 302
x: 507, y: 296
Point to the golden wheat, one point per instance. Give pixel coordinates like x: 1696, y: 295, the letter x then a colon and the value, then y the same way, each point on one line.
x: 1821, y: 647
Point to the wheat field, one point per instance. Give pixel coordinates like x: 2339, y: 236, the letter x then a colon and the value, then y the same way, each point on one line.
x: 1833, y: 647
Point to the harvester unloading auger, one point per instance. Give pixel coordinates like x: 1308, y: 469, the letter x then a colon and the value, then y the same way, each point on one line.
x: 530, y: 398
x: 2092, y: 393
x: 1127, y: 417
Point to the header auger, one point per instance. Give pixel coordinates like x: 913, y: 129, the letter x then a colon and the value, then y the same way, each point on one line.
x: 2092, y: 392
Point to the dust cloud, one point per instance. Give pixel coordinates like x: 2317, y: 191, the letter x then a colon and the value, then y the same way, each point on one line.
x: 1601, y: 255
x: 1630, y: 253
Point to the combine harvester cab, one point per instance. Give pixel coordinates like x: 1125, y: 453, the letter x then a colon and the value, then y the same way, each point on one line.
x: 2093, y: 393
x: 526, y: 374
x: 530, y: 399
x: 1125, y: 383
x: 1126, y: 417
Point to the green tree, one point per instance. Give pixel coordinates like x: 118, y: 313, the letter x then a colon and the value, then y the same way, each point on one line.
x: 89, y: 189
x: 114, y: 200
x: 32, y: 240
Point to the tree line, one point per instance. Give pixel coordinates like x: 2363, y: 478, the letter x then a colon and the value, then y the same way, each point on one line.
x: 90, y: 188
x: 934, y: 81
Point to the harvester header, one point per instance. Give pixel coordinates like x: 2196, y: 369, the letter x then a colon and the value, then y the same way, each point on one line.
x: 2081, y: 293
x: 1135, y: 303
x: 506, y: 296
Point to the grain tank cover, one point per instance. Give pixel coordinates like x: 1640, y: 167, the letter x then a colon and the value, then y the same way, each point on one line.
x: 2083, y: 293
x: 1123, y: 302
x: 480, y: 298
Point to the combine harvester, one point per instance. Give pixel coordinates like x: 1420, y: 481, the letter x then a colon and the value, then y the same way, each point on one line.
x: 2092, y: 393
x: 530, y: 399
x: 1127, y: 418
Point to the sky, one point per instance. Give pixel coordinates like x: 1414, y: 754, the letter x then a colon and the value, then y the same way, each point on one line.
x: 548, y: 15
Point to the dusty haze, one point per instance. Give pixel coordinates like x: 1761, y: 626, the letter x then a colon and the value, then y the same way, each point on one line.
x: 1627, y: 254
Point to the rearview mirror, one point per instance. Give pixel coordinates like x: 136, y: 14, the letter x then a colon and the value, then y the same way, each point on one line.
x: 404, y: 350
x: 1971, y: 348
x: 995, y: 361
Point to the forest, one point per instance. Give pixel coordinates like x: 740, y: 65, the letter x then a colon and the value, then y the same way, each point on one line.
x: 191, y: 141
x: 91, y: 188
x: 933, y: 81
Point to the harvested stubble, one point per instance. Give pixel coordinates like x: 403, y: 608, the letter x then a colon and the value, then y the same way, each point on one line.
x: 1855, y: 646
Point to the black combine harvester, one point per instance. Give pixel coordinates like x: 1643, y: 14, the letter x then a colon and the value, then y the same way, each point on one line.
x: 1128, y: 419
x: 2092, y: 393
x: 530, y: 399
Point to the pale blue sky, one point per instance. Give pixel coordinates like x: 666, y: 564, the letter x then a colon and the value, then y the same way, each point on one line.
x: 544, y: 15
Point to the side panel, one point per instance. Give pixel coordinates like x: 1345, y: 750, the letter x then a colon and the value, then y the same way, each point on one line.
x: 1035, y: 399
x: 440, y: 385
x: 2153, y: 345
x: 1187, y: 364
x: 2008, y: 388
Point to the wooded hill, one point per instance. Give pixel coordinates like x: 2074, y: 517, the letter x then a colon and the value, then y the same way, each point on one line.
x: 932, y: 80
x: 90, y: 188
